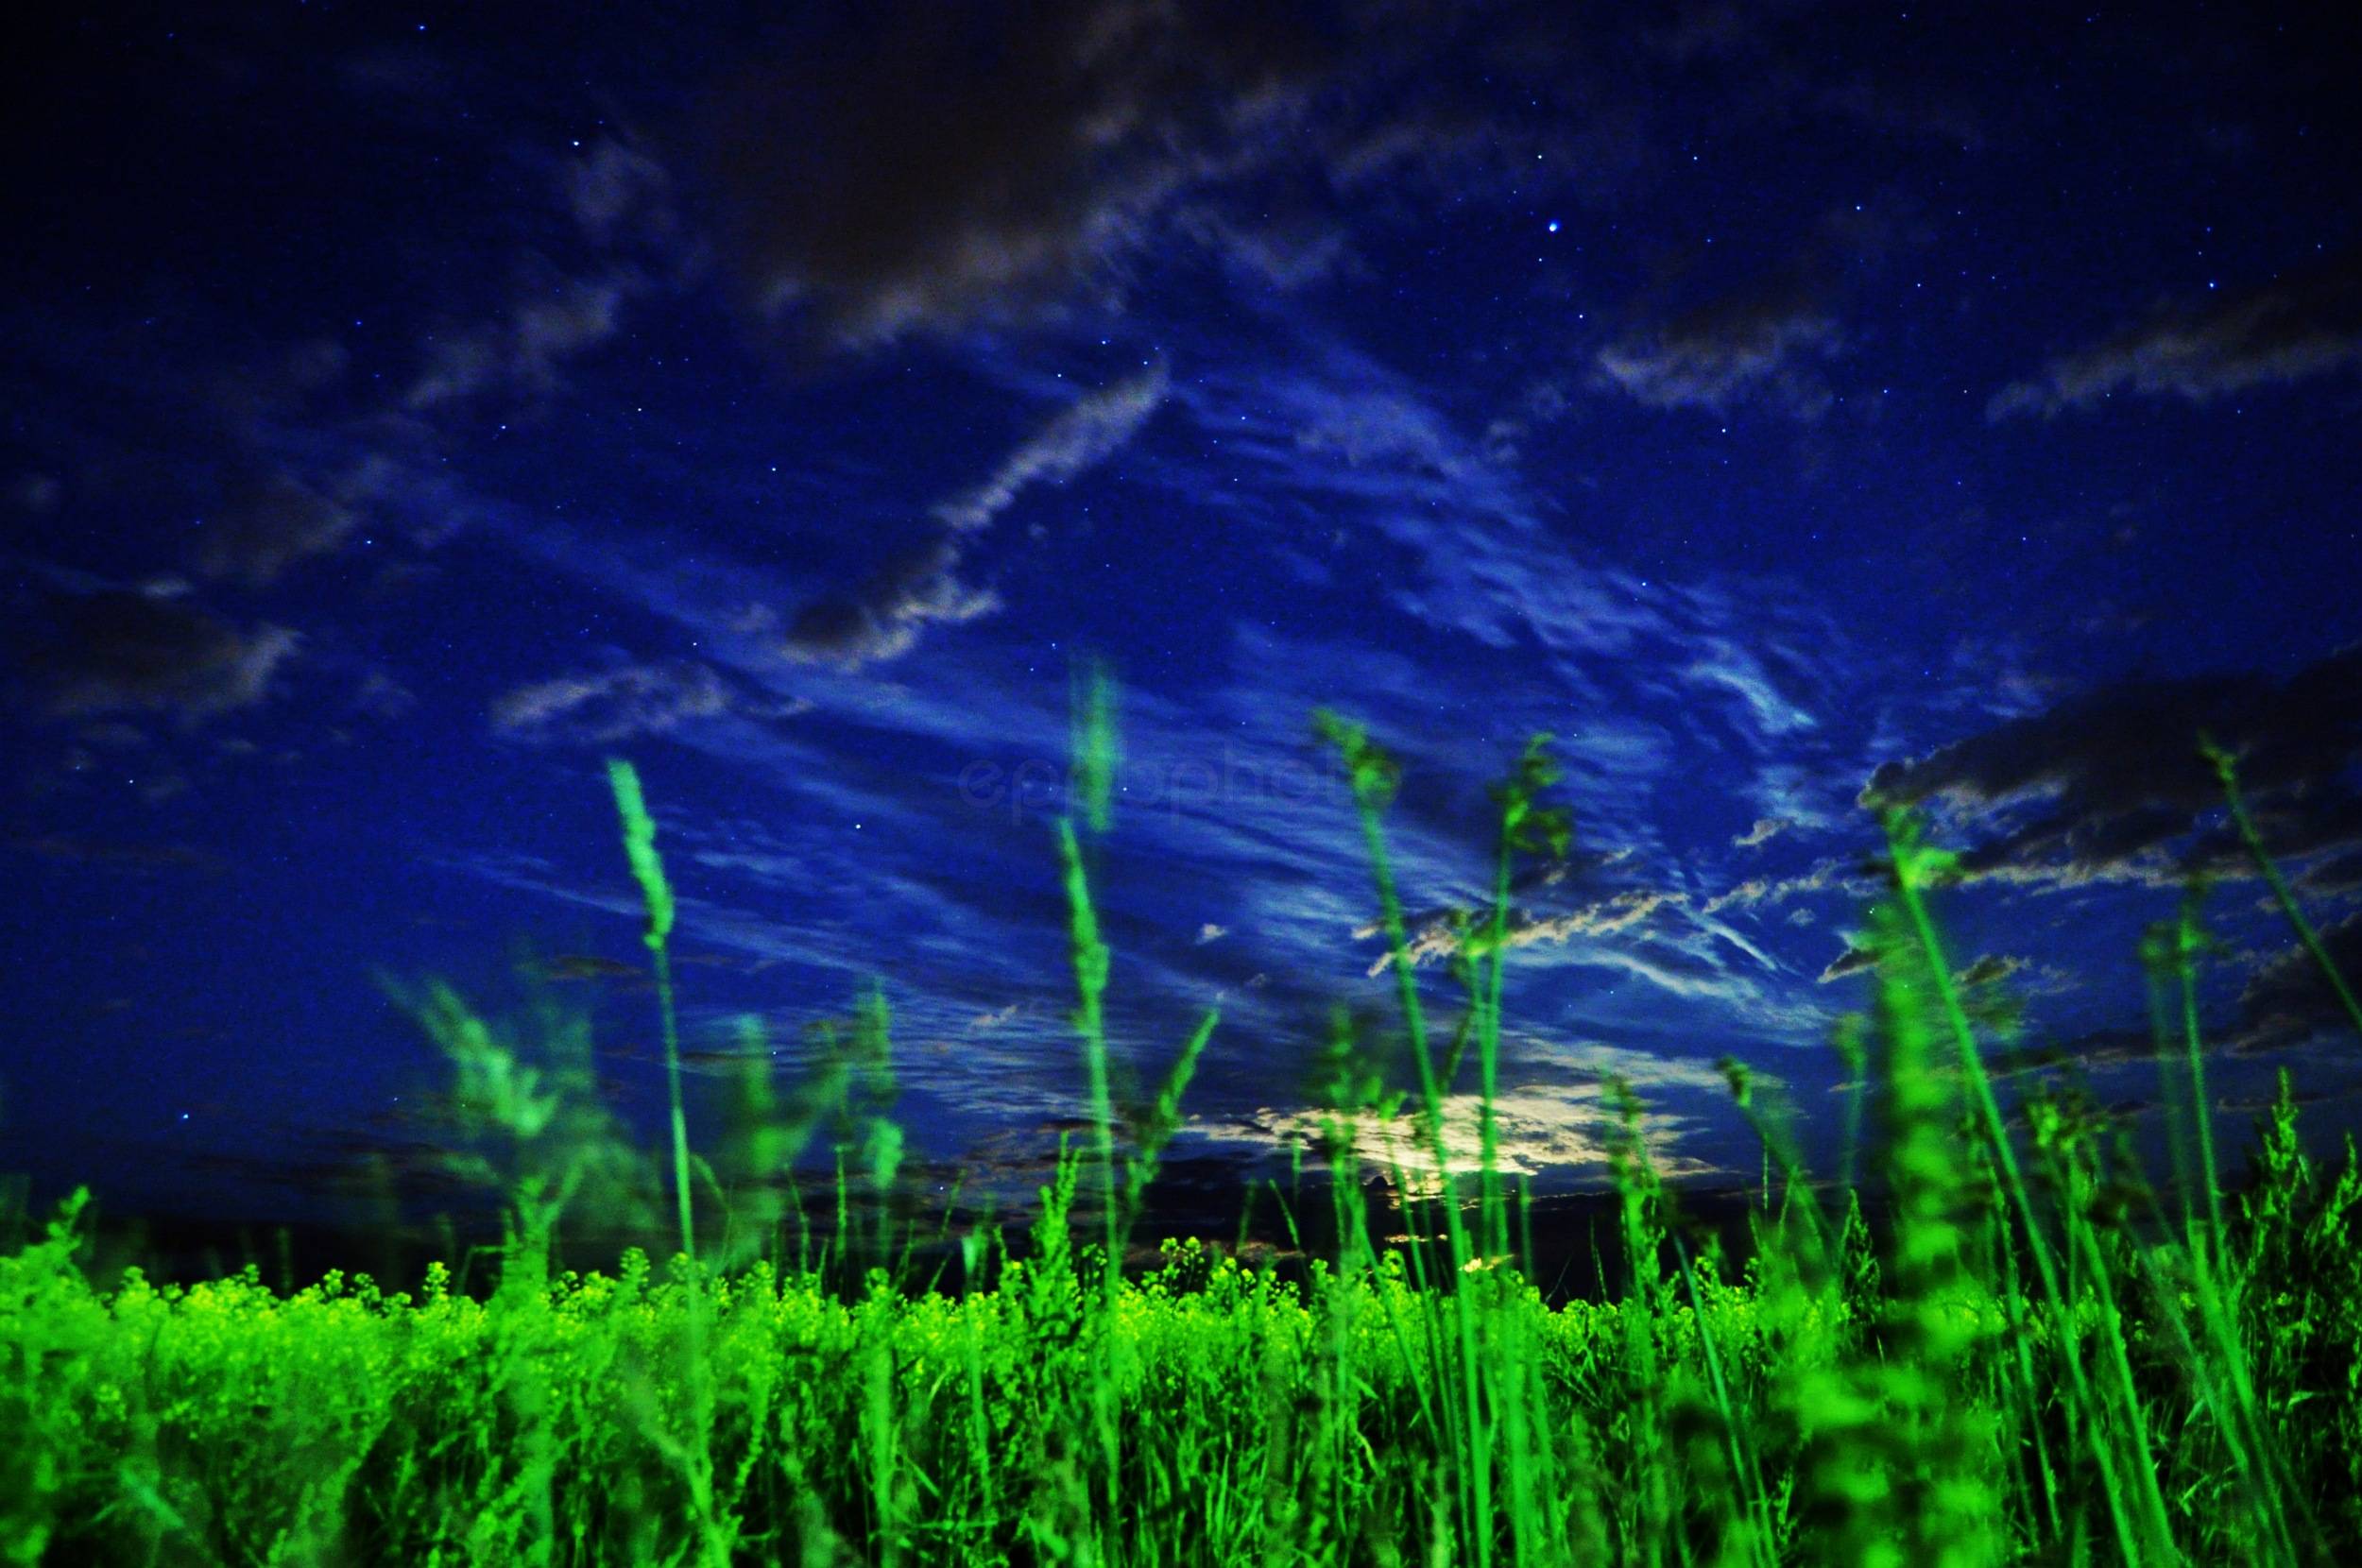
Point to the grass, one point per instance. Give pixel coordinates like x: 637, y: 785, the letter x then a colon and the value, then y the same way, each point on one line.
x: 2036, y: 1357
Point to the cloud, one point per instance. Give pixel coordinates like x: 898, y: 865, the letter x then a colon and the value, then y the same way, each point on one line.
x: 606, y: 706
x: 116, y: 650
x: 1858, y: 958
x: 1094, y: 427
x: 1853, y: 961
x: 1739, y: 672
x: 1287, y: 250
x: 1538, y: 1128
x: 1383, y: 427
x: 1544, y: 404
x: 614, y: 189
x: 884, y: 617
x: 2098, y: 788
x: 2305, y: 325
x: 923, y: 587
x: 1436, y: 939
x: 2335, y: 876
x: 901, y: 189
x: 1744, y: 348
x: 269, y: 526
x: 1764, y: 831
x: 565, y: 969
x: 1824, y: 877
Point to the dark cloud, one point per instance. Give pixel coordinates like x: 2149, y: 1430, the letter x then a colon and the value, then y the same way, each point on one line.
x: 2288, y: 1001
x: 2336, y: 877
x: 1747, y: 347
x: 2105, y: 783
x: 117, y: 649
x: 941, y: 169
x: 1992, y: 968
x: 2093, y: 1050
x: 929, y: 169
x: 1853, y: 961
x: 269, y: 526
x: 884, y: 617
x: 2286, y: 1005
x: 2296, y: 327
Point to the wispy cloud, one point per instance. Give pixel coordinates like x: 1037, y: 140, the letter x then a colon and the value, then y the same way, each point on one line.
x: 520, y: 356
x: 887, y: 616
x: 1750, y: 346
x: 604, y: 706
x: 1096, y: 426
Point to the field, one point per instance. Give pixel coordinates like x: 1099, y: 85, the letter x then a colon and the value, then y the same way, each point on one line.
x: 2034, y: 1355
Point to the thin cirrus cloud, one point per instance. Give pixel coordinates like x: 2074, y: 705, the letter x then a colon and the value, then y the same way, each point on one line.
x: 887, y: 616
x: 631, y: 241
x: 604, y: 706
x: 521, y: 354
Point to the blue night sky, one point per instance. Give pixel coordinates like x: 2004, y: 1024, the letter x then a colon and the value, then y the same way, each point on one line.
x: 405, y: 409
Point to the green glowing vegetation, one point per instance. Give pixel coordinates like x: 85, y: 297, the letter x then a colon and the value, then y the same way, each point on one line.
x: 2037, y: 1357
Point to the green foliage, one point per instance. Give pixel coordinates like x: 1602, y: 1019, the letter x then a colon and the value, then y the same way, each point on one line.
x: 647, y: 867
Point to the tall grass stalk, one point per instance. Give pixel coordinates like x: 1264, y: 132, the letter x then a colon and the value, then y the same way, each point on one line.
x: 647, y: 868
x: 2227, y: 769
x: 1375, y: 775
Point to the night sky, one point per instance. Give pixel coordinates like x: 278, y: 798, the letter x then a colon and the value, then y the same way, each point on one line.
x: 404, y: 409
